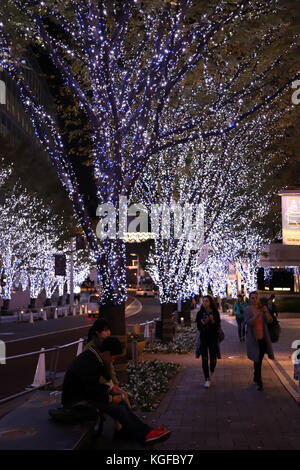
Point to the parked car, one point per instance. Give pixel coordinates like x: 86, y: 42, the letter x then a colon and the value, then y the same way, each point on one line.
x: 93, y: 305
x: 145, y: 292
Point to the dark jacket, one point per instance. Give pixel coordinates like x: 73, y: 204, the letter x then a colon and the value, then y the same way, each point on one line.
x: 95, y: 343
x: 81, y: 382
x: 210, y: 330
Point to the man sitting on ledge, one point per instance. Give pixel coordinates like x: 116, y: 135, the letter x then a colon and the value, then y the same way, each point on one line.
x: 82, y: 386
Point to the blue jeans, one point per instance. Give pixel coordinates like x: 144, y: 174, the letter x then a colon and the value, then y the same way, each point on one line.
x: 241, y: 327
x: 129, y: 421
x: 208, y: 346
x: 257, y: 365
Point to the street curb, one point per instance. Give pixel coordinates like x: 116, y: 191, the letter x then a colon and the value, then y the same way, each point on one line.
x: 283, y: 377
x: 138, y: 308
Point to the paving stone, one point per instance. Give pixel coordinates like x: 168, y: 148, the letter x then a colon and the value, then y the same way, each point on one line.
x: 232, y: 414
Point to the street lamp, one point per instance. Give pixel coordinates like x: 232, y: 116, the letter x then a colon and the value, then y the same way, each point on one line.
x: 138, y: 269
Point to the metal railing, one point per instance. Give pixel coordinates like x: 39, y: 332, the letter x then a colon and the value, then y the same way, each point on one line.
x: 39, y: 380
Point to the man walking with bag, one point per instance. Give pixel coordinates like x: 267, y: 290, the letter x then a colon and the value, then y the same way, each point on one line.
x: 238, y: 310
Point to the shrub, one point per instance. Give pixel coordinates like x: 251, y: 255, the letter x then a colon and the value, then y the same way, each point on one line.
x: 183, y: 343
x: 147, y: 381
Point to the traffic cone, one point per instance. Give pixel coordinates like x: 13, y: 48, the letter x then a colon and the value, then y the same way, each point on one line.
x: 147, y: 331
x: 31, y: 317
x: 2, y: 352
x: 80, y: 347
x: 55, y: 314
x: 40, y: 373
x: 44, y: 313
x: 66, y: 311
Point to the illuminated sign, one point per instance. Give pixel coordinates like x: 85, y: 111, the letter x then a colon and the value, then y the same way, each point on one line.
x: 290, y: 204
x: 2, y: 92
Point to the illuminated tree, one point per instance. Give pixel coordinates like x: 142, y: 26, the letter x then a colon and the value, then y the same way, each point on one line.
x: 30, y: 236
x: 234, y: 179
x: 22, y: 227
x: 127, y: 66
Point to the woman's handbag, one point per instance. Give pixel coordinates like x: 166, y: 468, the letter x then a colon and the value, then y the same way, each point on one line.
x: 197, y: 345
x: 274, y: 330
x: 221, y: 335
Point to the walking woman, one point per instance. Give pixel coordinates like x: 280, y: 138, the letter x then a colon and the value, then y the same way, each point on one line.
x: 208, y: 323
x: 238, y: 310
x: 258, y: 342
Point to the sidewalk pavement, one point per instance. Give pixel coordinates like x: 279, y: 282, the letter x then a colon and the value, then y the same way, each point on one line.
x: 232, y: 414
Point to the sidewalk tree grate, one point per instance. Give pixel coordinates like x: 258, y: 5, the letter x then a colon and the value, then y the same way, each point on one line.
x: 17, y: 433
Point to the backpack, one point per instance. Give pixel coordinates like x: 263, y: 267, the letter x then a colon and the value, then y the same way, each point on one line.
x: 221, y: 335
x: 274, y: 330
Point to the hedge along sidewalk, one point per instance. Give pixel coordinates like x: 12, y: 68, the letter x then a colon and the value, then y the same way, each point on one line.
x: 183, y: 343
x: 148, y: 381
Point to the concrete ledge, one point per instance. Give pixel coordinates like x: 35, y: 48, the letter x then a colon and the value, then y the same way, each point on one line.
x: 288, y: 315
x: 29, y: 427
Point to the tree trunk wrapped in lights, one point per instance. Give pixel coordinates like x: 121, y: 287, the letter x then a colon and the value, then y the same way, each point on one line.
x: 125, y: 63
x: 29, y: 240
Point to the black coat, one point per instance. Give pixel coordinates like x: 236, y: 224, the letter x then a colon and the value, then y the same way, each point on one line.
x: 210, y: 331
x: 81, y: 382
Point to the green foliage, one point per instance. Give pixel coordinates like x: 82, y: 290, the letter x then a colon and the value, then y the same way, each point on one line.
x: 183, y: 343
x: 135, y: 337
x: 147, y: 381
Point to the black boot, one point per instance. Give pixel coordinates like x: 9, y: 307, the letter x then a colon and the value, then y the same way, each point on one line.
x: 260, y: 385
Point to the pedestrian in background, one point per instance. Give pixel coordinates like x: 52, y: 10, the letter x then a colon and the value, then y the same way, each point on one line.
x: 272, y: 306
x: 258, y: 342
x: 238, y: 310
x: 208, y: 324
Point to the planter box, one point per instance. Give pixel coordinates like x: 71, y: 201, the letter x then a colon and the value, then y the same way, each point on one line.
x: 140, y: 348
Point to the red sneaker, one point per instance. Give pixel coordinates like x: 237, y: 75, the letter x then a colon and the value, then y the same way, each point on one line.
x: 157, y: 435
x: 161, y: 428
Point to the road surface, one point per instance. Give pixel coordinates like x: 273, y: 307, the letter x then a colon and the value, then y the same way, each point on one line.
x: 21, y: 338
